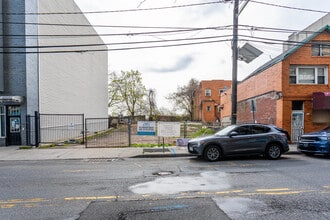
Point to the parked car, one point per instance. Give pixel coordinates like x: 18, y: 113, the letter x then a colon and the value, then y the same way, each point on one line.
x: 283, y: 131
x: 315, y: 142
x: 245, y: 139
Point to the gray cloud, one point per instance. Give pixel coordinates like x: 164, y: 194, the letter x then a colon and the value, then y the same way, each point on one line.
x: 180, y: 64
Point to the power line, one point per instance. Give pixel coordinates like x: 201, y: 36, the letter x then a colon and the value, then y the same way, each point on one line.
x: 180, y: 30
x: 228, y: 27
x: 113, y: 34
x: 242, y: 38
x: 289, y: 7
x: 94, y: 25
x: 118, y: 11
x: 114, y: 44
x: 113, y: 49
x: 160, y: 8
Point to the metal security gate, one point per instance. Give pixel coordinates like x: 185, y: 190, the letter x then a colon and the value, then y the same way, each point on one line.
x: 107, y: 132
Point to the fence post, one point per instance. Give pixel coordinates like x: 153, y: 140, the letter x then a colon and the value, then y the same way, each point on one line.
x: 37, y: 127
x: 85, y: 132
x: 129, y: 131
x: 185, y: 129
x: 27, y: 130
x: 83, y: 128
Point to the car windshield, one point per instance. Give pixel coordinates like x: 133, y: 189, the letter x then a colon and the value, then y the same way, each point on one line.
x: 226, y: 130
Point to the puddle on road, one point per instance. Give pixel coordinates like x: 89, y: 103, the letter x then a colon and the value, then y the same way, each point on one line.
x: 207, y: 181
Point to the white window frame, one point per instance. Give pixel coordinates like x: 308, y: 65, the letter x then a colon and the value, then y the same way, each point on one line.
x: 321, y: 49
x: 208, y: 92
x: 208, y: 108
x: 297, y: 75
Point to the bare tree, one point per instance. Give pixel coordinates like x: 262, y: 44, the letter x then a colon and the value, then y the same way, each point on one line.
x: 152, y: 103
x: 184, y: 97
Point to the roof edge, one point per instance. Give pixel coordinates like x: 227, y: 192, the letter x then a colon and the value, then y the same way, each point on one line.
x: 287, y: 53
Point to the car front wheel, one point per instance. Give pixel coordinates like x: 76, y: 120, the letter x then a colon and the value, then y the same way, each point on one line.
x: 273, y: 151
x: 212, y: 153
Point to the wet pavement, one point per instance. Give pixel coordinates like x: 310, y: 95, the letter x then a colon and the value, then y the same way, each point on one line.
x: 80, y: 152
x: 193, y: 208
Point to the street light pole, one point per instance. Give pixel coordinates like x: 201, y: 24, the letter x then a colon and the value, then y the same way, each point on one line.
x: 234, y: 67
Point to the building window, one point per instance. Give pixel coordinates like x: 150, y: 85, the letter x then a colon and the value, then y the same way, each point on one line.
x: 14, y: 111
x: 297, y: 105
x: 321, y: 49
x: 308, y: 74
x: 2, y: 122
x: 208, y: 108
x: 207, y: 92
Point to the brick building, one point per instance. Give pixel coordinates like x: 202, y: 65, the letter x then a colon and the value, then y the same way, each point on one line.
x: 291, y: 91
x: 207, y: 100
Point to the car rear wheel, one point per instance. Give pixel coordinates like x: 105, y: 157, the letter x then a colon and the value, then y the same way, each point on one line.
x: 212, y: 153
x: 273, y: 151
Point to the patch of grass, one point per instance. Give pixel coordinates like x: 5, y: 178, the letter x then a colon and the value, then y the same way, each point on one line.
x: 25, y: 147
x: 203, y: 132
x: 46, y: 146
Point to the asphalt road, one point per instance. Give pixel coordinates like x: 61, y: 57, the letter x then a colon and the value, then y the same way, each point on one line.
x: 294, y: 187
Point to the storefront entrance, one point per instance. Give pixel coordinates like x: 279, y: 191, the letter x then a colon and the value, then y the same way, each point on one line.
x: 297, y: 125
x: 13, y: 125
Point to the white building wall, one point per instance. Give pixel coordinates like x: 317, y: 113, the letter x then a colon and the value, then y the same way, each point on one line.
x: 32, y: 67
x: 75, y: 82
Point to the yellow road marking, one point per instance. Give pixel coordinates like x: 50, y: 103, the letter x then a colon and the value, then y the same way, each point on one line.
x: 34, y: 202
x: 7, y: 206
x: 272, y: 190
x: 228, y: 192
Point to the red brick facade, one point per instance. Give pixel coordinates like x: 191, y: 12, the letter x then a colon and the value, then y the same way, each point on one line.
x: 278, y: 101
x: 207, y: 100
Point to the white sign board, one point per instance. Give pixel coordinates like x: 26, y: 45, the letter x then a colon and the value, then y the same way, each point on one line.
x: 168, y: 129
x: 146, y: 128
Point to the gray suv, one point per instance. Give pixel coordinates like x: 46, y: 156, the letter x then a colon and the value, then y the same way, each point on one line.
x: 245, y: 139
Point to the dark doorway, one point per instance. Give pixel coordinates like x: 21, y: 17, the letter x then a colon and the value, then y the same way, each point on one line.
x: 13, y: 125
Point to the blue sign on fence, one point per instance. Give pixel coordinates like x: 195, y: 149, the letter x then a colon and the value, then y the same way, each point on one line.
x: 146, y: 128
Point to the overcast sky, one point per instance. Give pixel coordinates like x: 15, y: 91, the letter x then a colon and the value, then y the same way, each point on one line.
x: 166, y: 68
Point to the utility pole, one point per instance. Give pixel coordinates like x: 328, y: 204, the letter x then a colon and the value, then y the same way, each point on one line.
x: 234, y: 67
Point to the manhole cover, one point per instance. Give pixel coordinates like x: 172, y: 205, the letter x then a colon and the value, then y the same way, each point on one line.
x: 163, y: 173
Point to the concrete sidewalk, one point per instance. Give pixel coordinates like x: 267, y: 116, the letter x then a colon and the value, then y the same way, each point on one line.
x: 80, y: 152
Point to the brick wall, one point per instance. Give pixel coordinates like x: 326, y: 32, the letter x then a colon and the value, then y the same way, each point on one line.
x: 202, y: 102
x: 264, y: 109
x: 263, y: 86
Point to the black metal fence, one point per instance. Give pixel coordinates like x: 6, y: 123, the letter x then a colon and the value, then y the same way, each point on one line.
x: 106, y: 132
x: 60, y: 129
x: 114, y: 132
x: 54, y: 128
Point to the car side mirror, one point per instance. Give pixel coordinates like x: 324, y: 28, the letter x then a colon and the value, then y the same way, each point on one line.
x: 233, y: 133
